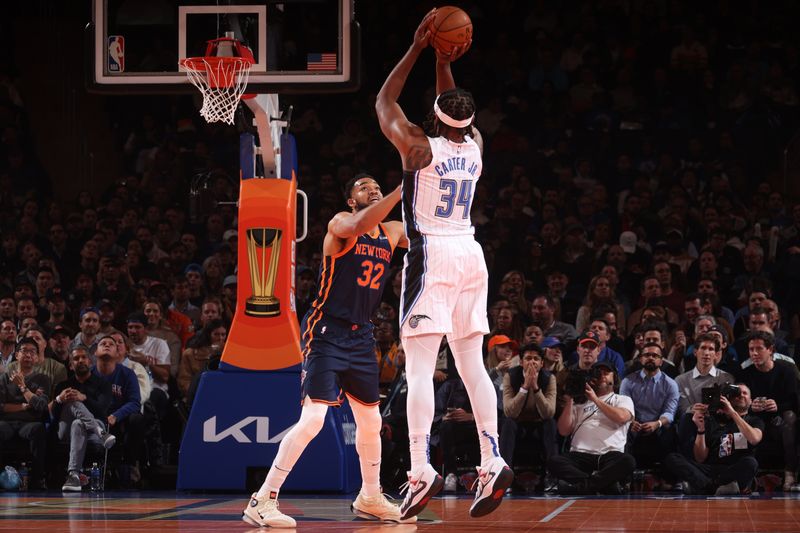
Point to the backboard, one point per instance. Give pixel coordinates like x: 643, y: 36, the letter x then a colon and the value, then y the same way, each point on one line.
x: 298, y: 45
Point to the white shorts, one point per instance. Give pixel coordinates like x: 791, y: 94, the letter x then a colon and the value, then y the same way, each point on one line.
x: 445, y: 285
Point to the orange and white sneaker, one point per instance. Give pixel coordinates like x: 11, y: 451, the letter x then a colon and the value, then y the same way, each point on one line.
x: 377, y: 508
x: 264, y: 512
x: 492, y: 483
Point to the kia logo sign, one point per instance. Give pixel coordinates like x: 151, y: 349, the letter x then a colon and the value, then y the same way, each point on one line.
x: 237, y: 431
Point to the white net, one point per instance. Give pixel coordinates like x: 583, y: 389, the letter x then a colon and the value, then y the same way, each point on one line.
x: 222, y: 81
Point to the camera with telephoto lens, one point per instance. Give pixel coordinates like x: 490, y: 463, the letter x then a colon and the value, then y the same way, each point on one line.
x: 575, y: 385
x: 712, y: 395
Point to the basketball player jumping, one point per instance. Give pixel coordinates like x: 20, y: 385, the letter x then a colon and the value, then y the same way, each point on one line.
x: 339, y: 349
x: 444, y: 273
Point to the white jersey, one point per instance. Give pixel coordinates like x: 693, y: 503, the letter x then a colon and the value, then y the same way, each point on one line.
x: 437, y: 199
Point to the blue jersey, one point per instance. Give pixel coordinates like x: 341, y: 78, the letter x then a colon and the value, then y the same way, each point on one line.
x: 351, y: 282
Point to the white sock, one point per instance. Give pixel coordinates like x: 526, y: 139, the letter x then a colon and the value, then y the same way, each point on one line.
x: 368, y: 445
x: 482, y: 394
x: 421, y: 352
x: 311, y: 419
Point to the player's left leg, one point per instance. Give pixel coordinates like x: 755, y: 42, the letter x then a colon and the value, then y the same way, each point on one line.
x: 370, y: 502
x: 494, y: 475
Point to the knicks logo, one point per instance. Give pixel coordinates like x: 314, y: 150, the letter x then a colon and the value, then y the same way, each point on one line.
x: 413, y: 321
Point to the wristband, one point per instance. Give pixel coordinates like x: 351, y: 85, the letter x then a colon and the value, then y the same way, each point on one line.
x: 523, y: 390
x: 537, y: 390
x: 701, y: 432
x: 660, y: 424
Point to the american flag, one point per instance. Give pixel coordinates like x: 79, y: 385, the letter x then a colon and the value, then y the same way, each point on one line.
x: 321, y: 62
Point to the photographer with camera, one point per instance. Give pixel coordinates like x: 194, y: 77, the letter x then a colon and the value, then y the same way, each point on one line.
x: 655, y: 398
x: 774, y: 388
x: 598, y: 428
x: 723, y: 457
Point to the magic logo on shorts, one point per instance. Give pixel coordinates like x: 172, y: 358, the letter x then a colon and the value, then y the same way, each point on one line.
x: 413, y: 320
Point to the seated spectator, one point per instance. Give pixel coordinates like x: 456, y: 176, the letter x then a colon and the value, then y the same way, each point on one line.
x: 598, y: 428
x: 558, y: 291
x: 89, y: 324
x: 543, y: 313
x: 508, y: 323
x: 157, y: 327
x: 708, y: 288
x: 107, y: 311
x: 615, y: 340
x: 704, y: 374
x: 124, y: 420
x: 210, y: 310
x: 181, y: 294
x: 598, y: 296
x: 529, y: 403
x: 457, y: 431
x: 653, y: 333
x: 386, y: 354
x: 23, y: 397
x: 502, y: 356
x: 81, y: 409
x: 758, y: 320
x: 8, y: 343
x: 123, y: 349
x: 532, y: 334
x: 650, y: 295
x: 208, y: 343
x: 691, y: 384
x: 153, y: 354
x: 55, y: 371
x: 177, y: 322
x: 60, y: 337
x: 553, y: 357
x: 722, y: 459
x: 601, y: 329
x: 588, y: 351
x: 774, y: 387
x: 655, y: 399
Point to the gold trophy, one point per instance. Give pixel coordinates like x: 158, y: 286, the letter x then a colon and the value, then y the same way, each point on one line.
x: 263, y: 302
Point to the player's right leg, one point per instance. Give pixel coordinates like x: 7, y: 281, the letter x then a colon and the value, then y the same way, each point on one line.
x: 423, y: 481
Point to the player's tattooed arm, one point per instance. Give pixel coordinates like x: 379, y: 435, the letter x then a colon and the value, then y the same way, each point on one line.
x: 418, y: 156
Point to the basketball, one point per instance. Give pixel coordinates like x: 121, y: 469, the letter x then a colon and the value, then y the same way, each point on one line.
x: 450, y: 27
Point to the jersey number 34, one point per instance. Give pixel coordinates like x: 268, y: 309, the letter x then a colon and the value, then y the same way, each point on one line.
x: 454, y: 195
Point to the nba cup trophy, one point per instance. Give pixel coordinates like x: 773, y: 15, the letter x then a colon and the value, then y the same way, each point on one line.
x: 263, y: 271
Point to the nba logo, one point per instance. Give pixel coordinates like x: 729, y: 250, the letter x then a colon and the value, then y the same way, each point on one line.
x: 116, y: 53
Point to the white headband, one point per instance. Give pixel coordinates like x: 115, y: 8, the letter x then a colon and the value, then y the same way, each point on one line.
x: 447, y: 119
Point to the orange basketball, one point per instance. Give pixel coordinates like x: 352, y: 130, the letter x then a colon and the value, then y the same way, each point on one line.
x: 450, y: 27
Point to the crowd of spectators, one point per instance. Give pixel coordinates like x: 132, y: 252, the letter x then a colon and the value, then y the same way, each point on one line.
x: 630, y: 207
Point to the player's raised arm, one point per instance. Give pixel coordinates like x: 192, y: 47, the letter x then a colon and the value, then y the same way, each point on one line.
x: 348, y: 225
x: 444, y: 76
x: 394, y: 124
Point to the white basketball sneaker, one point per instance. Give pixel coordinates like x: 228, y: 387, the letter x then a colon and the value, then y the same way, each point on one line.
x: 264, y: 512
x: 491, y: 484
x: 419, y: 488
x: 377, y: 508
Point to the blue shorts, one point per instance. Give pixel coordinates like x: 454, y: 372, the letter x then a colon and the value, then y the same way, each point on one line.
x: 338, y: 358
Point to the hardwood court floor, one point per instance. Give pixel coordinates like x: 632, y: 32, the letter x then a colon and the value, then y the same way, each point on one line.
x: 169, y: 512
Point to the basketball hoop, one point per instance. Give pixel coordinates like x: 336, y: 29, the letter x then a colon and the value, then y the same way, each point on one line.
x: 221, y: 75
